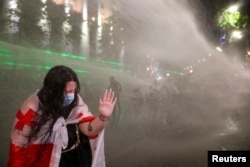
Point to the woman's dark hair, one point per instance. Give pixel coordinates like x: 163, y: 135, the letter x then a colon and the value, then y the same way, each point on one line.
x: 51, y: 98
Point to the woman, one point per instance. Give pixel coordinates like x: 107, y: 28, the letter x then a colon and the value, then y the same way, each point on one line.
x: 54, y: 127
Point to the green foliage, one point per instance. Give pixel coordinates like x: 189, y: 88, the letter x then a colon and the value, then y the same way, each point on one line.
x: 227, y: 20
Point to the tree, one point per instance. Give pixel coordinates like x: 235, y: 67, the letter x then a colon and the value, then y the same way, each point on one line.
x: 111, y: 43
x: 229, y: 19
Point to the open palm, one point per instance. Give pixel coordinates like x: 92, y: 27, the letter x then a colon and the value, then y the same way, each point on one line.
x: 107, y: 103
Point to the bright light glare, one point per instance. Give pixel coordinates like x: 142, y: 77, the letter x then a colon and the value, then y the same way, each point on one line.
x: 66, y: 27
x: 13, y: 4
x: 158, y: 78
x: 237, y: 34
x: 233, y: 9
x: 219, y: 49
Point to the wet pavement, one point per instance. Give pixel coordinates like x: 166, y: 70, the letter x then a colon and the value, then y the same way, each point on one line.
x: 178, y: 133
x: 172, y: 124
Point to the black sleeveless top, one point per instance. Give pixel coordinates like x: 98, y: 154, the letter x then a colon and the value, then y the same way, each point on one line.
x: 81, y: 156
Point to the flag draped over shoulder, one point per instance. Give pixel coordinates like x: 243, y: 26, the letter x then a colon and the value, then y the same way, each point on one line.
x: 36, y: 154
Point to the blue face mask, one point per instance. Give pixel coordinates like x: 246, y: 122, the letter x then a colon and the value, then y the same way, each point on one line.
x: 68, y: 99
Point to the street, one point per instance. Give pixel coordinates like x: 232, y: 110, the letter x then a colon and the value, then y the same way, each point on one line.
x: 175, y: 131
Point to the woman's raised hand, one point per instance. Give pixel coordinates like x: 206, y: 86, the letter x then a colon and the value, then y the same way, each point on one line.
x: 107, y: 103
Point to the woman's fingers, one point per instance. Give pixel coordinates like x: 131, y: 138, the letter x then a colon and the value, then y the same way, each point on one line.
x: 108, y: 95
x: 112, y: 94
x: 105, y: 95
x: 107, y: 102
x: 114, y: 101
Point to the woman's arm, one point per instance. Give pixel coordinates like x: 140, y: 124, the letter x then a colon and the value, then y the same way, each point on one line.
x: 106, y: 106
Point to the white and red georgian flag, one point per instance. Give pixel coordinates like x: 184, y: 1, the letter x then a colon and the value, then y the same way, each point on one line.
x: 36, y: 154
